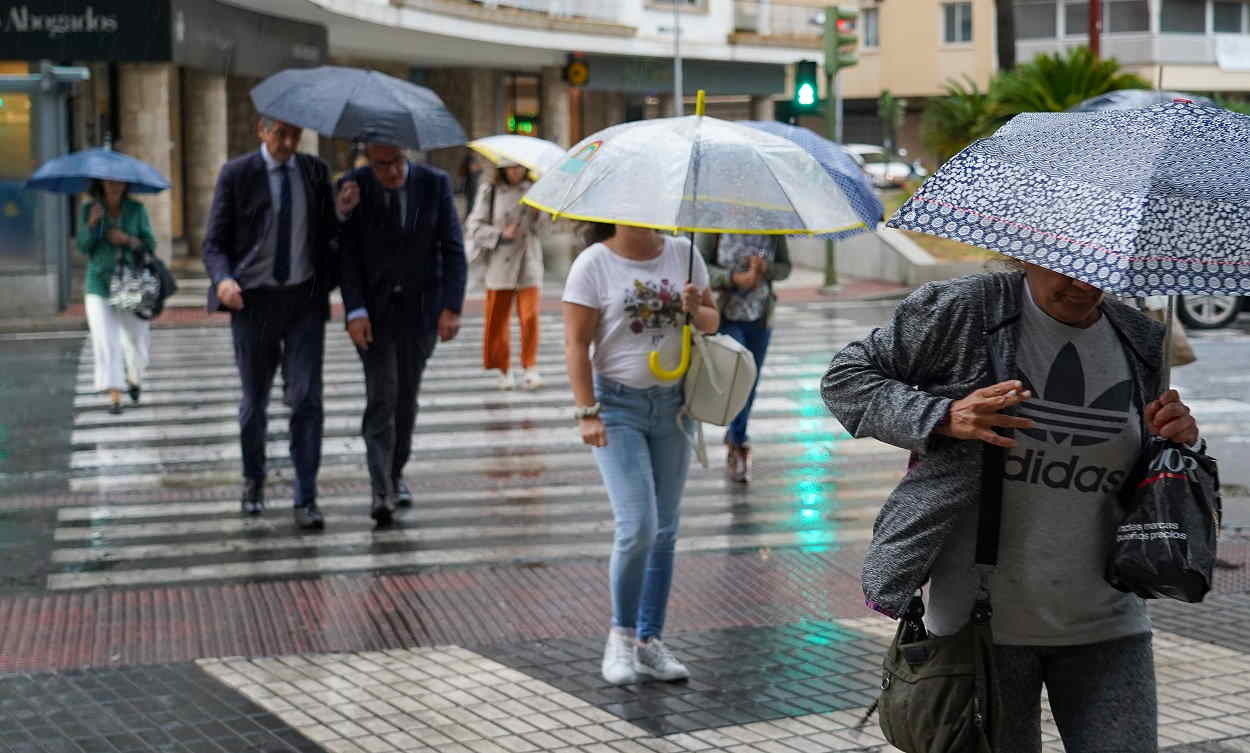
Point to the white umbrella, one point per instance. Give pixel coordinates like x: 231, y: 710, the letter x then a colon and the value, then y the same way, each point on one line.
x: 539, y: 155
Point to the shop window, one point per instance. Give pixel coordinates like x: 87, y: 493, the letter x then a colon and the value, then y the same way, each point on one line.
x: 1184, y: 16
x: 19, y: 241
x: 957, y: 23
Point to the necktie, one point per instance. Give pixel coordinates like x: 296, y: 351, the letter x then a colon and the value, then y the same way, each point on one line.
x: 397, y: 217
x: 282, y: 253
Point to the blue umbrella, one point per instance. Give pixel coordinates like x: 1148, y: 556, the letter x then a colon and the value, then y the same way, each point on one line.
x: 1135, y: 202
x: 840, y: 166
x: 74, y: 172
x: 1134, y: 99
x: 350, y: 103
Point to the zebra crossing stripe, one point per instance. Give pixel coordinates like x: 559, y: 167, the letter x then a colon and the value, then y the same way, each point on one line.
x: 436, y: 557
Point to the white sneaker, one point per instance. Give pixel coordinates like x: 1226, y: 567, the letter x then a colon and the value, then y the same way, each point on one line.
x: 532, y: 380
x: 618, y: 660
x: 505, y: 380
x: 653, y: 658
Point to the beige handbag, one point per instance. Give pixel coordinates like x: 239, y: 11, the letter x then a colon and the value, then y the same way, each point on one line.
x: 719, y: 382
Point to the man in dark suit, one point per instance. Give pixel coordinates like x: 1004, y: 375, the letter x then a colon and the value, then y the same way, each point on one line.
x: 269, y: 252
x: 403, y: 279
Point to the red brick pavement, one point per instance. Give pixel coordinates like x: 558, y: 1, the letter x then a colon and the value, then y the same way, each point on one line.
x: 476, y: 606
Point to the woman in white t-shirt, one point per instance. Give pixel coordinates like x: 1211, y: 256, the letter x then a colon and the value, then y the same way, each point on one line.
x: 626, y: 295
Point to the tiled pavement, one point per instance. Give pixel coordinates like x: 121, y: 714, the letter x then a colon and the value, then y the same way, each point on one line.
x: 476, y: 626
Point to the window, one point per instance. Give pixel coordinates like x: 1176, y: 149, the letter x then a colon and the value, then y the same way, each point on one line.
x: 1036, y: 19
x: 1126, y: 15
x: 871, y: 20
x: 1228, y: 17
x: 1118, y: 16
x: 1184, y: 16
x: 957, y: 23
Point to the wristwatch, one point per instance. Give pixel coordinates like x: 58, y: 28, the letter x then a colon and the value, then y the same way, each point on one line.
x: 585, y: 411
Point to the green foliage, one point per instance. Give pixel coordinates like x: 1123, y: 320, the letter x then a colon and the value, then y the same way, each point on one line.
x: 1230, y: 103
x: 1054, y: 83
x: 959, y: 117
x: 1048, y: 83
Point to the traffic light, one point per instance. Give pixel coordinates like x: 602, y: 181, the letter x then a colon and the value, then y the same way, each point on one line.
x: 525, y: 125
x: 806, y: 87
x: 840, y: 38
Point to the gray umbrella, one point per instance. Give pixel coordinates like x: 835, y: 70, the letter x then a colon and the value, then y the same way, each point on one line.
x: 350, y: 103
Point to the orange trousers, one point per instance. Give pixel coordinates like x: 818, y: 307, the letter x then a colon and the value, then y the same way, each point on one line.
x: 497, y: 345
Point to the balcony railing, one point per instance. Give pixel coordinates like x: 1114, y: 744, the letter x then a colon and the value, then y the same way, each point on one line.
x: 771, y: 19
x: 593, y: 10
x: 580, y: 16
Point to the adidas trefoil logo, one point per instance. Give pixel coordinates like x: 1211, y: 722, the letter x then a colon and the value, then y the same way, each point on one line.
x: 1061, y: 410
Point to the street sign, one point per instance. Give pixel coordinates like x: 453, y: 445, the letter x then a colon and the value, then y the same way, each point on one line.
x: 576, y: 71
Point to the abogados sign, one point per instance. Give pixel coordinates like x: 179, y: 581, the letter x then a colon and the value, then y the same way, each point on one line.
x: 65, y: 30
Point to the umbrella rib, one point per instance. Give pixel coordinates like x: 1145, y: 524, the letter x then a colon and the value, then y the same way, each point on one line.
x: 784, y: 192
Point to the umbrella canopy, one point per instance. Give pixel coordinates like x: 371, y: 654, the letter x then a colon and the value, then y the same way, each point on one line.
x: 1135, y: 202
x: 350, y: 103
x: 839, y: 165
x: 1134, y: 99
x: 695, y: 174
x: 539, y: 155
x: 74, y: 172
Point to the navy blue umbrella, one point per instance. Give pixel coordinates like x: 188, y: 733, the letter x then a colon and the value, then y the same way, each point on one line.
x: 1134, y: 99
x: 840, y: 166
x: 351, y: 103
x: 1134, y: 202
x: 74, y: 172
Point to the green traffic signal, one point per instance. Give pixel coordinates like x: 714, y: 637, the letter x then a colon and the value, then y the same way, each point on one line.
x: 806, y: 87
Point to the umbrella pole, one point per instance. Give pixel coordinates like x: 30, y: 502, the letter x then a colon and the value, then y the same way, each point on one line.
x: 1165, y: 373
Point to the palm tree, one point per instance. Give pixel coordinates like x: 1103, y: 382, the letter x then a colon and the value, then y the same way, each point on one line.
x: 1005, y: 26
x: 1053, y: 83
x: 956, y: 119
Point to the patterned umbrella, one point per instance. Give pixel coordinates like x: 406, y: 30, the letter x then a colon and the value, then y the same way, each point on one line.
x: 841, y: 167
x: 1134, y: 99
x: 1135, y: 202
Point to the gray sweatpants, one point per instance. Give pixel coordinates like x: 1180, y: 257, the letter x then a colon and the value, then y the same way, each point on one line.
x: 1102, y: 696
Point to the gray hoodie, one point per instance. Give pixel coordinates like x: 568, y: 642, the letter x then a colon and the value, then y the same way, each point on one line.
x: 946, y: 340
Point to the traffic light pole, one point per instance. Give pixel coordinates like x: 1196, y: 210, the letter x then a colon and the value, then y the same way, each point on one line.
x: 833, y: 124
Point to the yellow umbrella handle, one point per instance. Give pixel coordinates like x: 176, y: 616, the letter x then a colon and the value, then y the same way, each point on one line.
x: 653, y: 361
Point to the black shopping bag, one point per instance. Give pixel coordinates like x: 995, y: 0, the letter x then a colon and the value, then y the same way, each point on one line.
x: 1165, y: 544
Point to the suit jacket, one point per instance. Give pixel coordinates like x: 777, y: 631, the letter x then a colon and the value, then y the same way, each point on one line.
x: 430, y: 248
x: 242, y: 209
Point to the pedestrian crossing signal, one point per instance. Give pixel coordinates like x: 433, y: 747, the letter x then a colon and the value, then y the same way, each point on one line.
x: 526, y: 125
x: 806, y: 90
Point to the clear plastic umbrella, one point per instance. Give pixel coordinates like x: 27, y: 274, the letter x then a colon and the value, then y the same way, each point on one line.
x: 539, y: 155
x: 694, y: 174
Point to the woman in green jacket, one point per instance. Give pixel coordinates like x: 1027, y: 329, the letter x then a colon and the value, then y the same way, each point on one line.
x: 742, y: 269
x: 113, y: 225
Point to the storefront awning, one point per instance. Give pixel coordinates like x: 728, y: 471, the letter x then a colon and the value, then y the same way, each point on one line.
x: 655, y: 76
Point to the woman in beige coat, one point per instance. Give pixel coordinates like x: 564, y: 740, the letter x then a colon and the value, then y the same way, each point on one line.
x: 505, y: 242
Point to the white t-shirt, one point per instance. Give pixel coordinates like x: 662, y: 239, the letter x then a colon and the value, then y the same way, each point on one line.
x: 639, y: 305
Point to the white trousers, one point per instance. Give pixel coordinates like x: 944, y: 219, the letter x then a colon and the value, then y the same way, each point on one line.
x: 119, y: 343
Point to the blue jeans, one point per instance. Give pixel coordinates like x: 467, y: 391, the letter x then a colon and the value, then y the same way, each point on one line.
x: 755, y: 336
x: 644, y: 468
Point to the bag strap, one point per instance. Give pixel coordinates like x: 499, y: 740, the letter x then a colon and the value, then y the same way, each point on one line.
x: 990, y: 514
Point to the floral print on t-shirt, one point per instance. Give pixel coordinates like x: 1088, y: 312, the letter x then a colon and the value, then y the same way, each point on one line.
x: 652, y: 305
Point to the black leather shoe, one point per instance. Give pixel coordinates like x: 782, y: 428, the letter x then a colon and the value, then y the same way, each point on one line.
x: 253, y: 501
x: 134, y: 391
x: 383, y: 510
x: 403, y: 495
x: 308, y: 518
x: 115, y: 409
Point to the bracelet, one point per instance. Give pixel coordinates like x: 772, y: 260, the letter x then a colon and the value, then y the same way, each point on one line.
x: 585, y: 411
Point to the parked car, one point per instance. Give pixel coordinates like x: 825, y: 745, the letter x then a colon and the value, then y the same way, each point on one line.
x: 1211, y: 311
x: 883, y: 171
